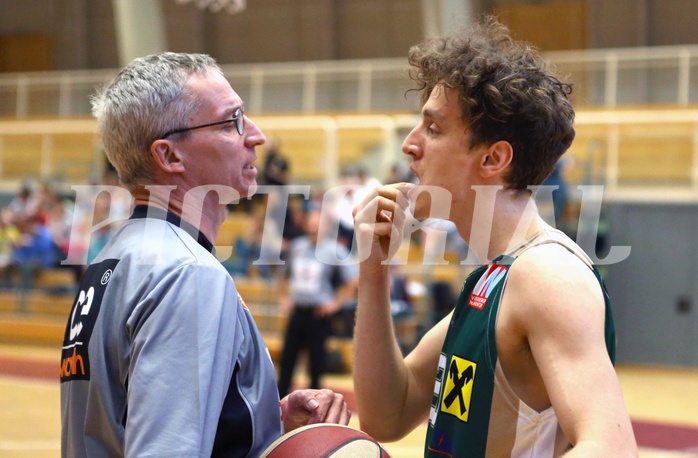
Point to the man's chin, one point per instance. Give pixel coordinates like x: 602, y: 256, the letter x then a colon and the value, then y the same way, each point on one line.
x: 249, y: 192
x: 430, y: 202
x: 421, y: 206
x: 420, y: 212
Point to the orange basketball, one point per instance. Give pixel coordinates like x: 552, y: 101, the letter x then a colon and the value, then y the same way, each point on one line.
x: 325, y: 440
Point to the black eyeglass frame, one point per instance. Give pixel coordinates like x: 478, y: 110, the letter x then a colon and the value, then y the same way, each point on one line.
x: 238, y: 118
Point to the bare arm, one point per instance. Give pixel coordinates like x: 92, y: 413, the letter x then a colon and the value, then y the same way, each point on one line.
x: 393, y: 395
x: 562, y: 316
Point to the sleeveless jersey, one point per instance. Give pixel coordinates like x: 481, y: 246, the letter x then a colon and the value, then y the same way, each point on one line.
x: 474, y: 411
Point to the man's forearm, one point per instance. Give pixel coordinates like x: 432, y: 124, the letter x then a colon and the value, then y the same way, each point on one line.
x: 380, y: 375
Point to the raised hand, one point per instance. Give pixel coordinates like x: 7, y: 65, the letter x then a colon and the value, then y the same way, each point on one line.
x: 379, y: 222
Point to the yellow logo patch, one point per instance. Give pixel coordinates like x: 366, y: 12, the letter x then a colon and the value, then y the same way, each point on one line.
x: 458, y: 387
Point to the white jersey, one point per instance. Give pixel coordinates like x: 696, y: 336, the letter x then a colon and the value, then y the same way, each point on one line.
x: 161, y: 357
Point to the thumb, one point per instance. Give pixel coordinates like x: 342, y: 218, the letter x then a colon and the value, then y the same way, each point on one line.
x: 312, y: 404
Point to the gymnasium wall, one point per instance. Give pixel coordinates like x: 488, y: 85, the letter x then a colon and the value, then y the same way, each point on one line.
x: 26, y: 52
x: 80, y: 34
x: 558, y: 25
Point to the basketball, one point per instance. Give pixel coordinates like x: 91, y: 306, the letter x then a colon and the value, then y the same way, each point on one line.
x: 325, y: 440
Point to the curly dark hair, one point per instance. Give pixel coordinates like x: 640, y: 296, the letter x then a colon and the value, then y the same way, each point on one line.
x: 507, y: 92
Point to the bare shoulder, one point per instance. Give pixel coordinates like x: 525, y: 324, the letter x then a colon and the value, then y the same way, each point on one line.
x: 552, y: 265
x: 548, y: 280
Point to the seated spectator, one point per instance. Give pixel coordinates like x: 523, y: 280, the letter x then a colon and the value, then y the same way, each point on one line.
x: 20, y: 205
x: 33, y: 252
x: 9, y: 238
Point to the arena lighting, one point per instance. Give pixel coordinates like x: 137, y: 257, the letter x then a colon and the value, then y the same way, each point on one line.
x: 231, y: 6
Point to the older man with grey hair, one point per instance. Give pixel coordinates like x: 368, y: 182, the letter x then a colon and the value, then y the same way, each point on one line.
x: 161, y: 356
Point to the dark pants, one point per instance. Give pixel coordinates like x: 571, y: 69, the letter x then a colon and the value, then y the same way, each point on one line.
x: 305, y: 330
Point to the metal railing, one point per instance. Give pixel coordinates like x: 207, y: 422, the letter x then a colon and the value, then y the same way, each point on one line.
x: 663, y: 75
x: 602, y: 78
x: 338, y: 97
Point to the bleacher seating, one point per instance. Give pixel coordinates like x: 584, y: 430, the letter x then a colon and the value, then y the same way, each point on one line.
x: 627, y: 141
x: 34, y: 316
x: 235, y: 226
x: 617, y: 148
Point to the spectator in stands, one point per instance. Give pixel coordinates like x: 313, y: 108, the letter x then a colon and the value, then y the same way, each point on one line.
x: 400, y: 173
x: 43, y: 201
x: 276, y: 167
x: 250, y: 254
x: 401, y: 306
x: 28, y: 223
x: 98, y: 238
x: 161, y: 356
x: 356, y: 183
x: 560, y: 194
x: 283, y: 210
x: 35, y: 246
x: 9, y: 239
x: 58, y: 217
x: 311, y: 292
x: 523, y: 366
x: 20, y: 205
x: 34, y: 252
x: 400, y: 300
x: 95, y: 218
x: 317, y: 196
x: 112, y: 207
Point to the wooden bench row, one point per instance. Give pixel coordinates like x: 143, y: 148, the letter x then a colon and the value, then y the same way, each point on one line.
x: 30, y: 329
x: 50, y: 330
x: 39, y: 317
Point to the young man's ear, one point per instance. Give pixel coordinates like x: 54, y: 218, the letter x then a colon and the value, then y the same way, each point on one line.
x: 496, y: 159
x: 166, y: 157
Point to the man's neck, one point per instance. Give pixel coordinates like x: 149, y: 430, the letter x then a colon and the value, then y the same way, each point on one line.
x: 204, y: 215
x: 497, y: 224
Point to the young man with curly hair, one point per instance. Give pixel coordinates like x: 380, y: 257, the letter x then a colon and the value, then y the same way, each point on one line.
x: 523, y: 366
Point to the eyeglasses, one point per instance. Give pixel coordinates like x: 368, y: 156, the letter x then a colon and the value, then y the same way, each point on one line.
x: 238, y: 118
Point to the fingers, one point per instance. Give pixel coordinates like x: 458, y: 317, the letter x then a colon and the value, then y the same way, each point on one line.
x: 379, y: 222
x: 331, y: 409
x: 338, y: 411
x: 297, y: 408
x: 305, y: 407
x: 386, y: 198
x: 346, y: 416
x: 379, y: 209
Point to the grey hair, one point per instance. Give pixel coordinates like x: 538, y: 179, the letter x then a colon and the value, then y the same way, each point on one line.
x: 146, y: 99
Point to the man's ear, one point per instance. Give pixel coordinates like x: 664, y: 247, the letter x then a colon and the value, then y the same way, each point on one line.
x: 166, y: 157
x: 496, y: 159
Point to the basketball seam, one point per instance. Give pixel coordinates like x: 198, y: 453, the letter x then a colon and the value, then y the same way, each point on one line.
x: 354, y: 439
